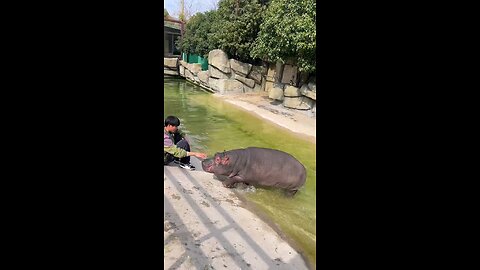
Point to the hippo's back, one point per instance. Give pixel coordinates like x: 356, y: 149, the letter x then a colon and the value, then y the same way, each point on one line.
x: 270, y: 167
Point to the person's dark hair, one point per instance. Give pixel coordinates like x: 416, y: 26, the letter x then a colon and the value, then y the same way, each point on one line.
x: 172, y: 120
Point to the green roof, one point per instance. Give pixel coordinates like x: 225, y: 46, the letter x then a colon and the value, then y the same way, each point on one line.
x: 172, y: 25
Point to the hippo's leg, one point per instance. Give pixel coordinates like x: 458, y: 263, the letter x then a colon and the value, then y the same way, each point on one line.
x: 220, y: 177
x: 290, y: 193
x: 231, y: 181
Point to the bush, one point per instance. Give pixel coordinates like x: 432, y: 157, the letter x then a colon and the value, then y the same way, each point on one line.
x: 288, y: 31
x: 251, y: 30
x: 237, y: 27
x: 197, y: 38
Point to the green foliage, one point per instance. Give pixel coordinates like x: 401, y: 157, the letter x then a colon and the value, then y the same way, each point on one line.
x: 288, y: 31
x: 165, y: 12
x: 198, y: 30
x: 237, y: 27
x: 248, y: 30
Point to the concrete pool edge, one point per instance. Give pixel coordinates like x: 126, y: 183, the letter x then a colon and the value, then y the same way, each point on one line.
x: 207, y: 225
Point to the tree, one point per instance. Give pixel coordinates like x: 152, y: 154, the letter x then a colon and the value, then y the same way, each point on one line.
x: 288, y: 31
x: 237, y: 27
x: 198, y: 31
x: 165, y: 13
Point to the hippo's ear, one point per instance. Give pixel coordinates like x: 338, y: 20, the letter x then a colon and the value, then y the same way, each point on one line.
x: 217, y: 159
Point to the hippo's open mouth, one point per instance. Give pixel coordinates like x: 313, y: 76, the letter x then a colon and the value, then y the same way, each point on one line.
x: 209, y: 168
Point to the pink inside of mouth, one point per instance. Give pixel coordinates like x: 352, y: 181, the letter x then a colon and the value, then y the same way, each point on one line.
x: 209, y: 168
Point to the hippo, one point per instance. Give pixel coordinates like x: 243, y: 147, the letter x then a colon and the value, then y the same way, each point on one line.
x: 257, y: 166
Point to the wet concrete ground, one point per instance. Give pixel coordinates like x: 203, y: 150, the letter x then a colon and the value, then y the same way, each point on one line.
x: 205, y: 227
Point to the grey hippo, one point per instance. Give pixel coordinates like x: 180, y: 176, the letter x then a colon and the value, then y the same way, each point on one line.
x: 258, y: 166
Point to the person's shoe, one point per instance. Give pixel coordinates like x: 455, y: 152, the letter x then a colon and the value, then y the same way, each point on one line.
x: 186, y: 166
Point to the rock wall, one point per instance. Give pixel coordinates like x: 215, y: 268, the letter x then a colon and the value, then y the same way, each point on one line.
x: 283, y: 82
x: 170, y: 66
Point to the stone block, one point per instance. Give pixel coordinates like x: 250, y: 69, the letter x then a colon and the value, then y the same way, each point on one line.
x: 290, y: 75
x: 181, y: 70
x: 279, y: 66
x: 248, y: 82
x: 203, y: 76
x: 276, y: 92
x: 195, y: 68
x: 227, y: 86
x: 170, y: 62
x: 183, y: 63
x: 304, y: 90
x: 268, y: 86
x: 170, y: 72
x: 256, y: 74
x: 189, y: 74
x: 291, y: 91
x: 240, y: 68
x: 213, y: 83
x: 303, y: 78
x: 271, y: 73
x: 216, y: 73
x: 299, y: 103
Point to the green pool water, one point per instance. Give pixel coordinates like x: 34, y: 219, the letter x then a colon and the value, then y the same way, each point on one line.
x: 214, y: 126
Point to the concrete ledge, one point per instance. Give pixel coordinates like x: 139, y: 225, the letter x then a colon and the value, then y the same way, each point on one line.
x: 205, y: 227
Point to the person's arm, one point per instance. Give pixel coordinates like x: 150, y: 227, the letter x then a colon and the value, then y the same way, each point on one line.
x: 171, y: 148
x: 180, y: 153
x: 175, y: 151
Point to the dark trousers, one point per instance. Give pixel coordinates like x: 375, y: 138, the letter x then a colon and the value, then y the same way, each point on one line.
x: 180, y: 143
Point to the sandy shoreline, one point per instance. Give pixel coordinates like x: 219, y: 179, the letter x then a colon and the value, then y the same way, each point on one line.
x: 258, y: 103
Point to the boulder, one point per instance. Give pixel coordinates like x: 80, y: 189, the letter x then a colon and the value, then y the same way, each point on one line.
x: 290, y: 75
x: 219, y: 59
x: 304, y: 90
x: 195, y: 68
x: 216, y: 73
x: 299, y: 103
x: 240, y: 68
x: 312, y: 86
x: 170, y: 62
x: 248, y: 82
x: 291, y: 91
x: 203, y: 76
x: 227, y: 86
x: 256, y: 74
x: 276, y: 92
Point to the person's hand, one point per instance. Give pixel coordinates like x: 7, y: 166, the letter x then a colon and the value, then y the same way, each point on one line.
x: 201, y: 155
